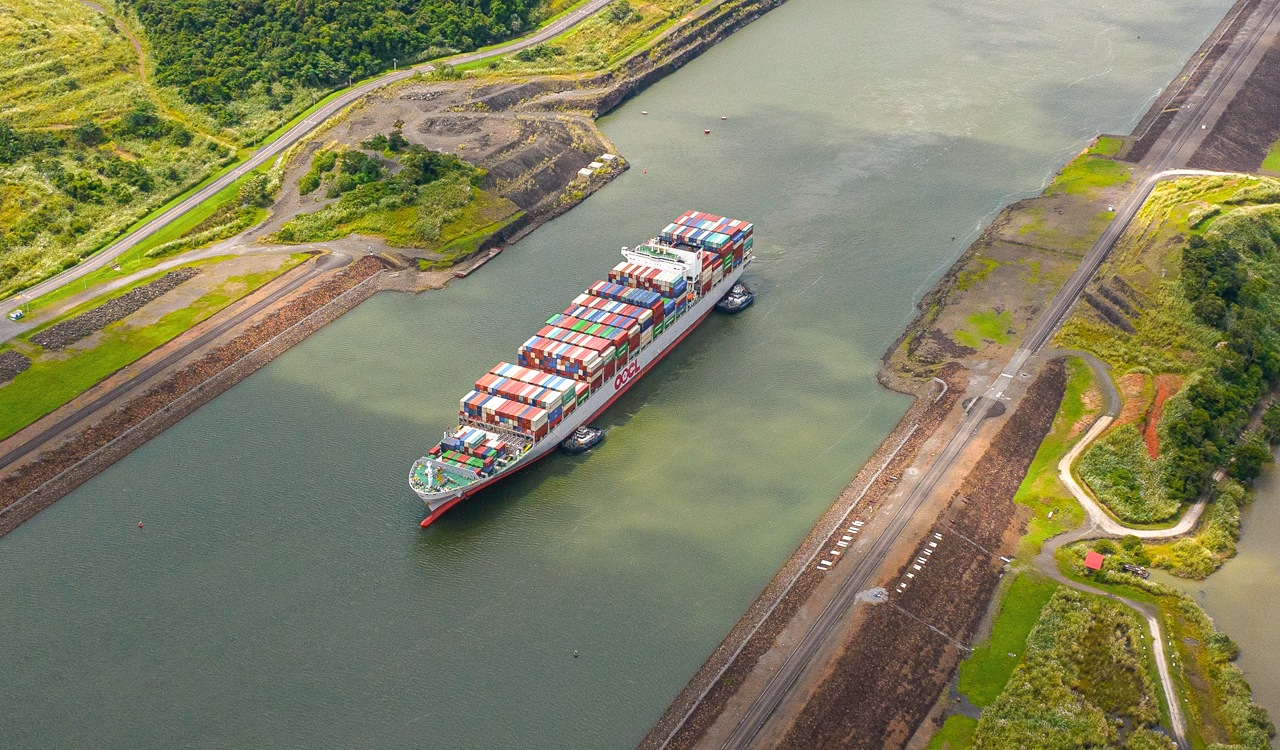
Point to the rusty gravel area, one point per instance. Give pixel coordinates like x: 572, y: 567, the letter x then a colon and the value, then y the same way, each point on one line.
x: 904, y: 652
x: 50, y: 465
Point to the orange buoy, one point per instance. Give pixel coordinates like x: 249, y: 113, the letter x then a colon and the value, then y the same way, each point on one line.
x: 706, y: 132
x: 646, y: 170
x: 644, y: 112
x: 139, y: 524
x: 722, y: 117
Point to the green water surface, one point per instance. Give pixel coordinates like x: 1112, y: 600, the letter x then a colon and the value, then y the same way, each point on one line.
x: 281, y: 593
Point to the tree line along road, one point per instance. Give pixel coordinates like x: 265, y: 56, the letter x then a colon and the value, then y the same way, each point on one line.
x: 104, y: 257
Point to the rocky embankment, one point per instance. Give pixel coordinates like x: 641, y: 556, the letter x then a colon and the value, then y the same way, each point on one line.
x: 531, y: 135
x: 87, y: 323
x: 57, y: 472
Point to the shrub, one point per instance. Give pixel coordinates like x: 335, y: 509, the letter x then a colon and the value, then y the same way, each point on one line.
x: 1122, y: 475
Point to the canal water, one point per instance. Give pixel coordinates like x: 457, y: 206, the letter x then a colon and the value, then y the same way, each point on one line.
x: 1243, y: 596
x: 281, y: 593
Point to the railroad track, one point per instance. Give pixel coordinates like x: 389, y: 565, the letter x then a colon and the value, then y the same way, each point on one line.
x: 827, y: 622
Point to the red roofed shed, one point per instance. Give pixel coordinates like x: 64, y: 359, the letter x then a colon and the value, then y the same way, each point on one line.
x: 1093, y: 560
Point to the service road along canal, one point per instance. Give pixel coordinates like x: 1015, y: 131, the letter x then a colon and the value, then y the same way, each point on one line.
x: 281, y: 593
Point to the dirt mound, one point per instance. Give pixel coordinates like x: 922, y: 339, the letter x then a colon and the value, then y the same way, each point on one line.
x: 1166, y: 386
x: 12, y: 364
x: 70, y: 331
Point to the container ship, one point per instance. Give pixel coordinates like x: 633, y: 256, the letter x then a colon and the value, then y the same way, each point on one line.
x: 572, y: 369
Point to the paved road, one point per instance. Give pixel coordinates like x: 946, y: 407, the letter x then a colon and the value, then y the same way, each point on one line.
x: 827, y: 622
x: 1047, y: 564
x: 320, y: 265
x: 105, y: 257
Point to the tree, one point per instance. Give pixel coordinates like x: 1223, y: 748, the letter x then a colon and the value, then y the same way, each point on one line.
x: 1250, y: 456
x: 621, y: 11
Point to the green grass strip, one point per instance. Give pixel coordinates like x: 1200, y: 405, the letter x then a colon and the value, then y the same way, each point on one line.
x: 984, y: 674
x: 48, y: 384
x: 956, y: 734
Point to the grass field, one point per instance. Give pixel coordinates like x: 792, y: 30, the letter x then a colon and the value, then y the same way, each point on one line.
x: 984, y: 326
x: 1272, y: 162
x: 956, y: 734
x: 984, y: 674
x: 61, y: 62
x: 1053, y: 509
x: 1088, y: 172
x: 56, y: 378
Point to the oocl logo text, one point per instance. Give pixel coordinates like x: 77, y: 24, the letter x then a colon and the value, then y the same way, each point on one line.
x: 624, y: 377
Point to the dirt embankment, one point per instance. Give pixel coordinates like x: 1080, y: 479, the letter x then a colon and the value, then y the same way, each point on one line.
x: 1241, y: 138
x: 531, y: 135
x: 882, y: 686
x: 1166, y: 106
x: 38, y: 484
x: 759, y: 628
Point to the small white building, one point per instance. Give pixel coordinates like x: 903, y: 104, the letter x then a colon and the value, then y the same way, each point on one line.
x: 584, y: 172
x: 607, y: 157
x: 595, y: 165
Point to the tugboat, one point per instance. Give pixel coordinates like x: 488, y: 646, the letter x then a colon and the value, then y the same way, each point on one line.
x: 736, y: 300
x: 582, y: 440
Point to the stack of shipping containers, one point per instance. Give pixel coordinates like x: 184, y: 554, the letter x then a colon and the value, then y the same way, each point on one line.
x: 593, y: 338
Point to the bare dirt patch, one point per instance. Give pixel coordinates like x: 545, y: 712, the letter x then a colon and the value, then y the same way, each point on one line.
x: 1166, y: 386
x: 890, y: 674
x: 1133, y: 395
x: 1001, y: 283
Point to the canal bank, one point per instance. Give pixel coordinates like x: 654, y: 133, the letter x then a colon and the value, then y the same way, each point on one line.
x: 280, y: 591
x: 1243, y: 596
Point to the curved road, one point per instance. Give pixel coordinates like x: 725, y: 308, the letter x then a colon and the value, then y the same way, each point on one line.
x: 105, y: 257
x: 1158, y: 167
x: 1047, y: 564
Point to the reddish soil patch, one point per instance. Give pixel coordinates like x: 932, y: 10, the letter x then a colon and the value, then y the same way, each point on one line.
x: 1135, y: 405
x: 26, y: 480
x: 891, y: 672
x: 1166, y: 386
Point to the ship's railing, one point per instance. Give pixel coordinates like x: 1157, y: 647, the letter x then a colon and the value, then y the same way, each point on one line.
x: 518, y: 439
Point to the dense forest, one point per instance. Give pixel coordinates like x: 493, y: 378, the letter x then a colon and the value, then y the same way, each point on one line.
x: 216, y: 50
